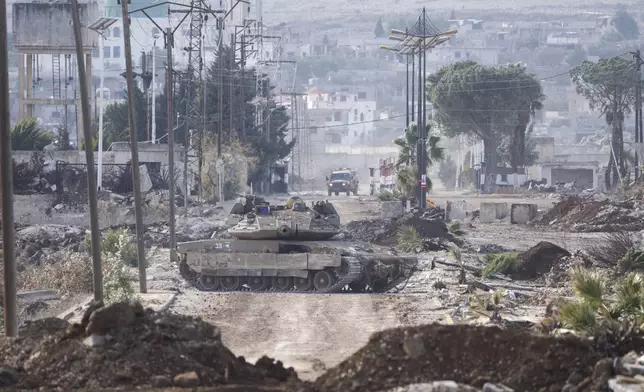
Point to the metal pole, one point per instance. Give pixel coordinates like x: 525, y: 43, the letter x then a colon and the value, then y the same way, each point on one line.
x: 89, y: 157
x: 231, y: 103
x: 101, y: 103
x: 413, y: 87
x: 136, y: 175
x: 8, y: 236
x: 407, y: 95
x: 638, y: 97
x: 154, y: 97
x: 220, y: 103
x: 423, y: 130
x: 419, y: 125
x: 169, y: 95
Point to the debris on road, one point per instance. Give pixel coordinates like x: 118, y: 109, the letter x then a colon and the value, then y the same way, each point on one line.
x: 584, y: 215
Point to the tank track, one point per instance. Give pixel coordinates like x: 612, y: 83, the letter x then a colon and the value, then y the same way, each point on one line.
x: 353, y: 272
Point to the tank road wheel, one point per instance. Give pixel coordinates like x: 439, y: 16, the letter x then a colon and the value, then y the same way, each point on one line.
x: 209, y: 282
x: 230, y: 283
x: 303, y: 284
x: 282, y: 283
x: 323, y: 280
x: 258, y: 283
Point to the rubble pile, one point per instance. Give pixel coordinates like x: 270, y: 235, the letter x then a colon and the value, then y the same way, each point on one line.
x: 522, y: 361
x: 539, y: 260
x: 584, y: 215
x: 559, y: 276
x: 430, y: 226
x: 123, y: 345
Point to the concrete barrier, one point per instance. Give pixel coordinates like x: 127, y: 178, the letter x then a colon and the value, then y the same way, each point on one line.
x: 391, y: 209
x: 456, y: 210
x: 523, y: 213
x: 502, y: 210
x: 490, y: 212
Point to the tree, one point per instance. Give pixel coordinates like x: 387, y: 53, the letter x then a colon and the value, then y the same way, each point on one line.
x: 492, y: 103
x: 626, y: 25
x: 379, y: 31
x: 407, y: 174
x: 551, y: 57
x: 62, y: 139
x: 610, y: 89
x: 27, y: 135
x: 576, y: 57
x: 115, y: 120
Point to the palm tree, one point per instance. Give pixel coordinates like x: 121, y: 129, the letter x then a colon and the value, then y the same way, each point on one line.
x: 27, y: 135
x: 408, y: 144
x: 407, y: 177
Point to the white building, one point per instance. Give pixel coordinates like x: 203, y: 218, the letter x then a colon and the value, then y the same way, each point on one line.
x: 348, y: 109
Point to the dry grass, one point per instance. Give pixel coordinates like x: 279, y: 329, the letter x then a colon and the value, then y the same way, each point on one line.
x: 612, y: 247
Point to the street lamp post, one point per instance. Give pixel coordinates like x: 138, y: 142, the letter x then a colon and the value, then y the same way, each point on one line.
x: 100, y: 26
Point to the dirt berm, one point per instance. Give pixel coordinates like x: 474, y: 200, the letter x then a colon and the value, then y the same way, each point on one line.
x: 123, y: 345
x: 465, y: 354
x: 539, y: 260
x: 383, y: 231
x: 584, y: 215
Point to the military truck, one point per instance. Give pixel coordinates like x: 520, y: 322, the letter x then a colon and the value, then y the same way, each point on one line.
x: 291, y: 248
x: 343, y: 180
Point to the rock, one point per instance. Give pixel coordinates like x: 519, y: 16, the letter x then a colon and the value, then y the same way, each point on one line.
x: 114, y: 316
x: 8, y: 376
x: 94, y: 340
x: 160, y: 382
x: 184, y: 380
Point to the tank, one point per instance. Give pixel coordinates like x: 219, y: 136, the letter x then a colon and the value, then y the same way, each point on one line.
x: 291, y: 247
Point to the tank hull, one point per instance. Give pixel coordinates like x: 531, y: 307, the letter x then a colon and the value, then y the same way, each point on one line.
x: 297, y: 266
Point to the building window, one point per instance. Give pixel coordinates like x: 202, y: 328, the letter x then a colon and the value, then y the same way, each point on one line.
x: 343, y: 98
x: 116, y: 32
x: 117, y: 52
x: 107, y: 50
x: 362, y: 95
x: 457, y: 55
x: 504, y: 178
x: 314, y: 130
x: 96, y: 52
x: 106, y: 33
x: 361, y: 116
x: 337, y: 116
x: 335, y: 138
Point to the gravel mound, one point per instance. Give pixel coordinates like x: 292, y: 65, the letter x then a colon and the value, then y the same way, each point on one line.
x: 585, y: 215
x: 462, y: 353
x: 429, y: 225
x: 123, y: 345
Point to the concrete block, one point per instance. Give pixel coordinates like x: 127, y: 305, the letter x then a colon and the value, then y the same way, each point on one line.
x: 523, y: 213
x: 502, y: 210
x: 487, y: 213
x: 456, y: 210
x: 391, y: 209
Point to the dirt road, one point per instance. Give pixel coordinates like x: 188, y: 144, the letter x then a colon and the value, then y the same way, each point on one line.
x: 310, y: 332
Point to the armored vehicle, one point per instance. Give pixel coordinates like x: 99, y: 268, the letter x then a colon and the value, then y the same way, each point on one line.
x: 343, y: 180
x: 291, y: 248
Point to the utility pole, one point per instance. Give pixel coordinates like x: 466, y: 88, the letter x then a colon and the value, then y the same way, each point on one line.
x: 639, y: 136
x: 423, y: 129
x: 419, y: 126
x: 154, y: 100
x: 136, y: 176
x: 8, y: 235
x: 169, y: 43
x: 89, y: 158
x: 231, y: 101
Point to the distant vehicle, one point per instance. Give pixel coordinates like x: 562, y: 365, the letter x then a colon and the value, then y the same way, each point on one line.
x: 343, y: 180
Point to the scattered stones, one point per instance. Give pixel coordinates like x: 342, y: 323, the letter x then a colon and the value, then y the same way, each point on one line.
x: 160, y: 381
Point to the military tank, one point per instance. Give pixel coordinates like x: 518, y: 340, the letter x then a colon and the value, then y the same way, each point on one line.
x: 291, y: 248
